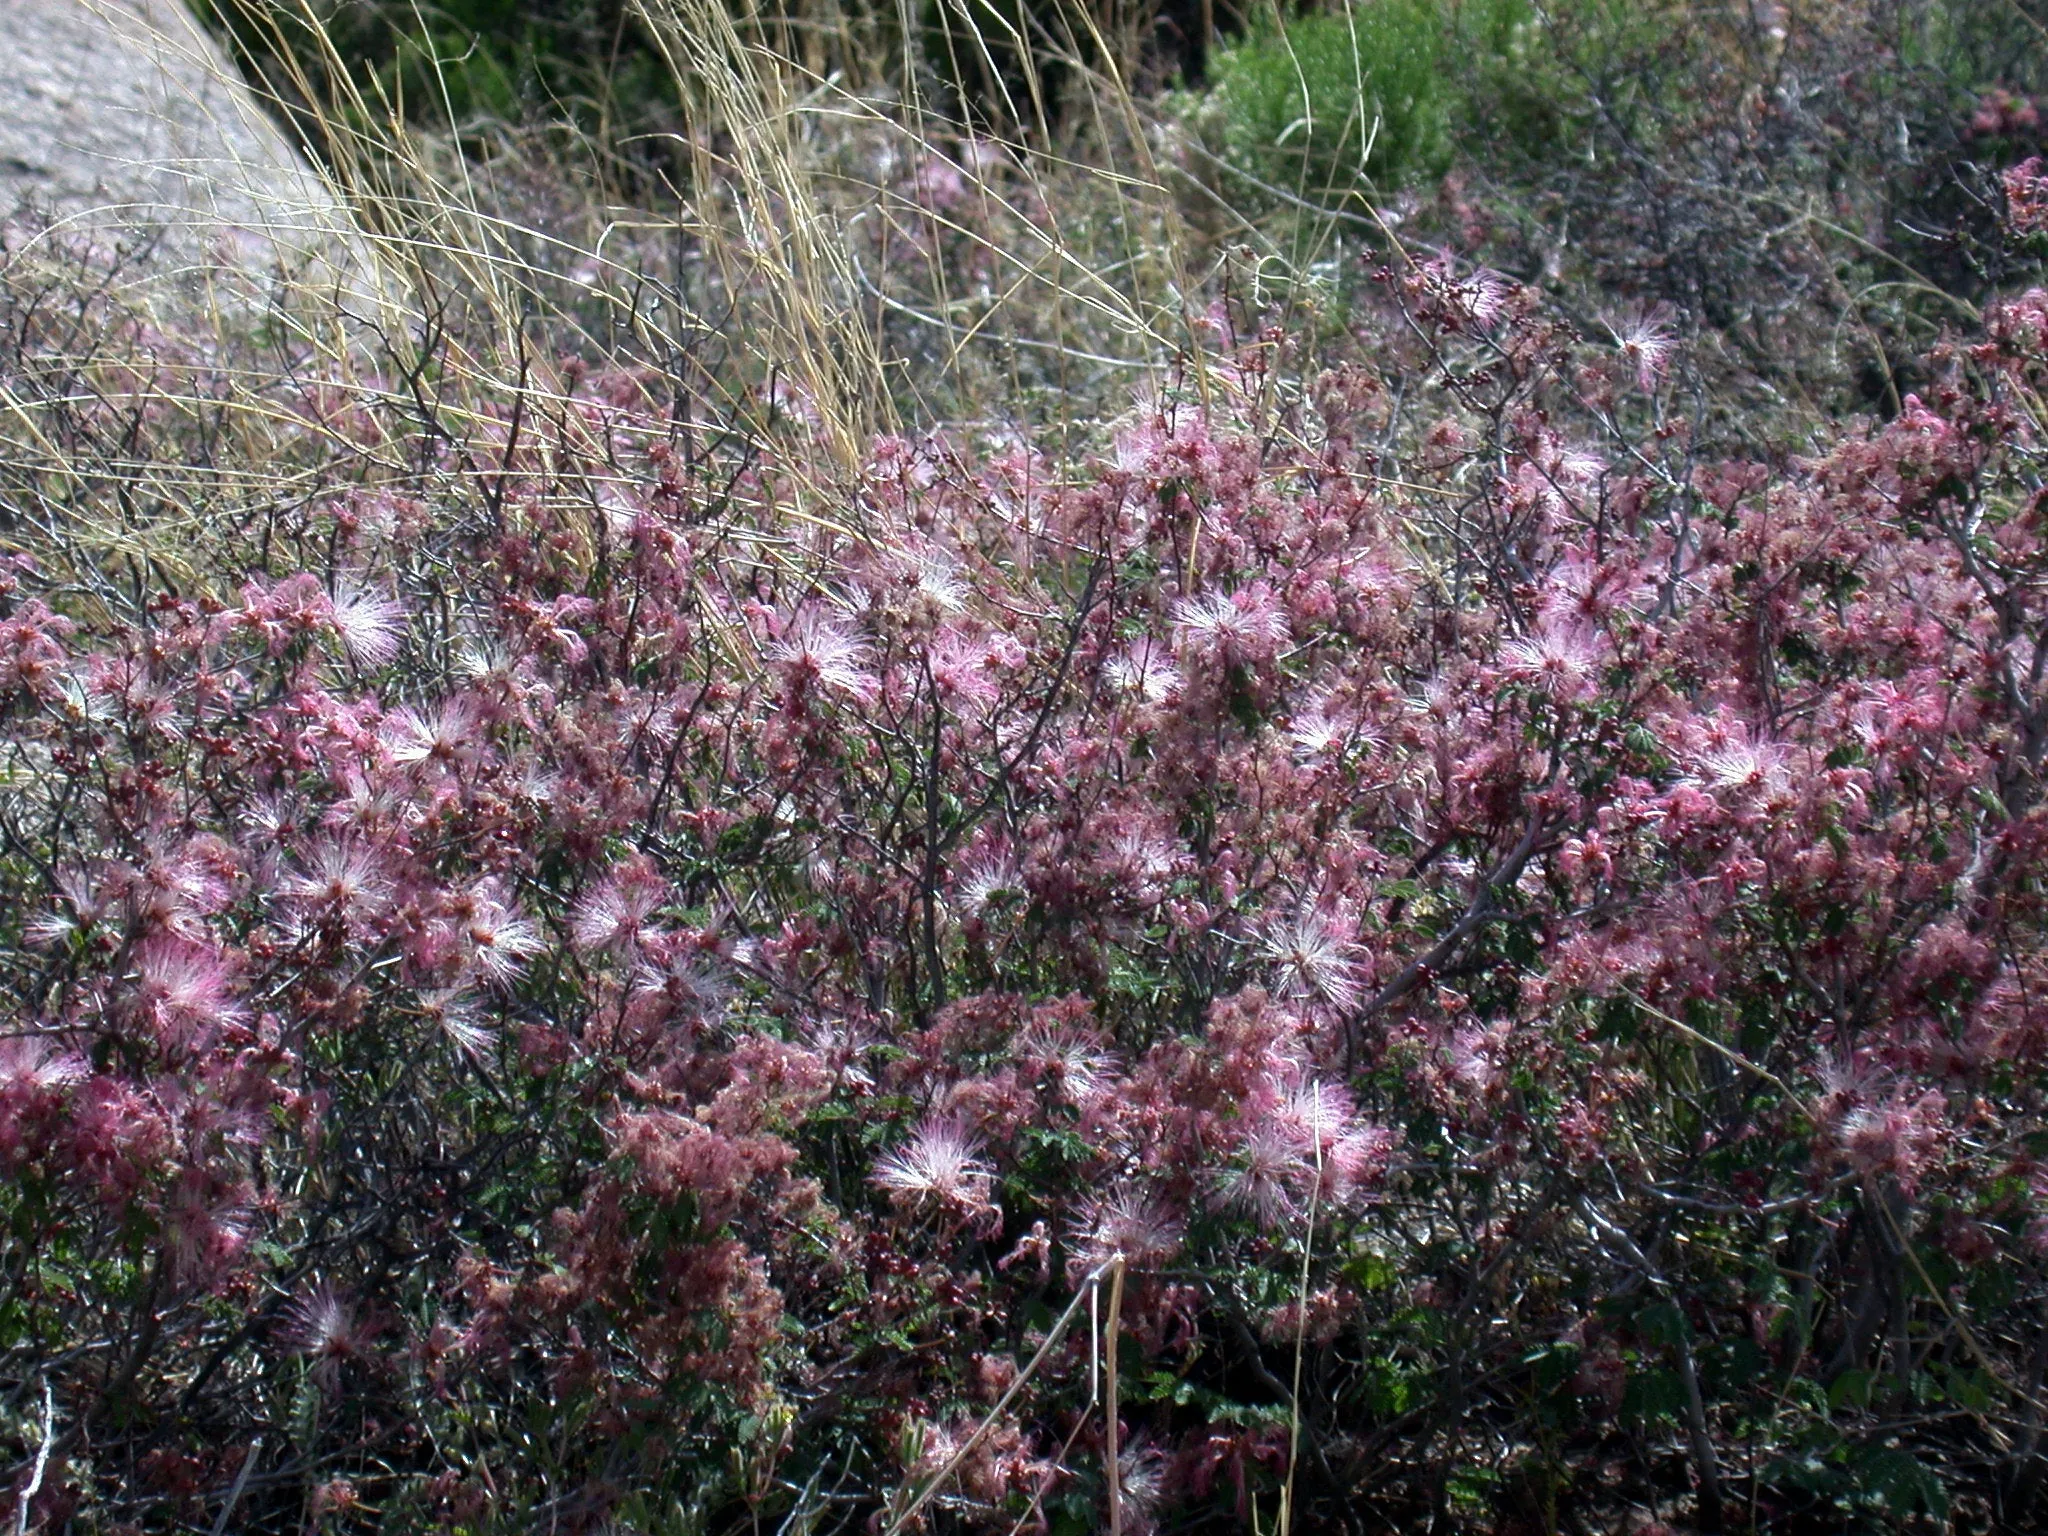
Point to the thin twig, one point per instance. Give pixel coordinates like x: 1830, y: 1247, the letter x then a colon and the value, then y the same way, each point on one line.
x: 35, y: 1482
x: 1111, y: 1451
x: 220, y: 1526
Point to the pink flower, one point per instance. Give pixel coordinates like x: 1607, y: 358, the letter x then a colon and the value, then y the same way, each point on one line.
x: 1141, y: 1484
x: 1739, y: 764
x: 1263, y: 1177
x: 499, y: 939
x: 1130, y: 1222
x: 820, y: 648
x: 337, y: 1496
x: 1315, y: 957
x: 1145, y: 669
x: 37, y: 1064
x: 1245, y: 626
x: 937, y: 183
x: 185, y: 991
x: 987, y: 880
x: 340, y: 877
x: 459, y: 1017
x: 1320, y: 728
x: 1474, y: 1058
x: 450, y: 736
x: 321, y: 1325
x: 1356, y: 1159
x: 942, y: 1163
x: 182, y: 883
x: 2026, y: 197
x: 1078, y: 1068
x: 370, y: 627
x: 695, y: 978
x: 964, y: 670
x: 1478, y: 301
x: 1315, y: 1113
x: 931, y: 578
x: 1645, y: 344
x: 206, y: 1231
x: 1562, y: 659
x: 86, y: 907
x: 615, y: 914
x: 32, y: 655
x: 1895, y: 1138
x: 1143, y: 862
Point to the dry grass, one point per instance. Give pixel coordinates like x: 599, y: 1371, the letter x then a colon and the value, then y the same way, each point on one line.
x: 837, y: 249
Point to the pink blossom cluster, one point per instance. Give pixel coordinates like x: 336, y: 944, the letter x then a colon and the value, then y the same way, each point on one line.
x: 1417, y: 870
x: 2026, y: 197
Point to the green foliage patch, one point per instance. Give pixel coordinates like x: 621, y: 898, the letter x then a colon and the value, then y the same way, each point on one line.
x: 1324, y: 106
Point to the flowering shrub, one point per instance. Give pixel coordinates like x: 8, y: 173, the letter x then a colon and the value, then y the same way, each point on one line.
x: 1399, y: 934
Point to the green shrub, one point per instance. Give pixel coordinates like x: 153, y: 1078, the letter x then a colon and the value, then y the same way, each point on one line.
x: 1326, y: 106
x: 466, y: 61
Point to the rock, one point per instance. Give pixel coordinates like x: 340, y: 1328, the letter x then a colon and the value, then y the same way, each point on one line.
x: 122, y: 122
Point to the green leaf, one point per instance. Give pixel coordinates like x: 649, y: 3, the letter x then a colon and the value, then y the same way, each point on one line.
x: 1370, y: 1272
x: 1654, y: 1395
x: 1900, y: 1481
x: 1850, y: 1389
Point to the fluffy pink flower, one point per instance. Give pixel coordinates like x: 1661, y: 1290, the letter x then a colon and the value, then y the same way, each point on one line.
x: 185, y: 991
x: 615, y: 913
x: 448, y: 736
x: 1131, y: 1222
x: 342, y: 878
x: 1320, y: 727
x: 1144, y: 669
x: 321, y: 1326
x: 1475, y: 1058
x: 370, y: 627
x: 1746, y: 764
x: 1478, y: 300
x: 987, y: 880
x: 182, y: 883
x: 80, y: 907
x: 942, y: 1163
x: 821, y: 648
x: 1080, y: 1069
x: 1315, y: 957
x: 964, y: 669
x: 1243, y: 626
x: 1645, y: 344
x: 1896, y: 1138
x: 1264, y: 1177
x: 458, y: 1015
x: 1563, y: 660
x: 206, y: 1230
x: 499, y: 939
x: 2026, y: 197
x: 39, y: 1065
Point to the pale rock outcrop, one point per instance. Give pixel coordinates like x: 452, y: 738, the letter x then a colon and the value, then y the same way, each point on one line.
x: 123, y: 125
